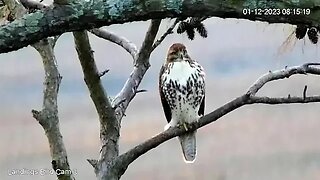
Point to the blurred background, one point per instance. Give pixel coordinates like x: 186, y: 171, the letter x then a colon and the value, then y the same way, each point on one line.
x: 265, y: 142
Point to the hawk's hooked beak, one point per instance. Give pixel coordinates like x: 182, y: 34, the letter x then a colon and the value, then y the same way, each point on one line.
x: 181, y: 55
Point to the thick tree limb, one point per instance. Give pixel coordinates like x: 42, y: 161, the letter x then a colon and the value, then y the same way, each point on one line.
x: 124, y: 160
x: 119, y: 40
x: 96, y: 13
x: 109, y: 126
x: 48, y: 116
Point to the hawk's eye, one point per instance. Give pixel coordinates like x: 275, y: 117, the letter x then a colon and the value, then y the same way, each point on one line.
x: 184, y: 51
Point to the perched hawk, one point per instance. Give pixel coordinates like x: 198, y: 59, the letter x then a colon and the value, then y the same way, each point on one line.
x: 182, y: 93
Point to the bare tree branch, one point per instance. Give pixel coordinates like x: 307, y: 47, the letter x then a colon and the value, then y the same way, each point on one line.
x: 169, y: 31
x: 141, y: 65
x: 281, y: 74
x: 112, y: 115
x: 119, y: 40
x: 124, y: 160
x: 48, y: 116
x: 283, y: 100
x: 109, y: 126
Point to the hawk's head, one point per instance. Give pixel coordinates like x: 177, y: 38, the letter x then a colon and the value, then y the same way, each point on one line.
x: 177, y: 52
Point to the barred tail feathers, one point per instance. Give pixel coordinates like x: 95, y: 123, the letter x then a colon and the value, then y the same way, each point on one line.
x: 188, y: 145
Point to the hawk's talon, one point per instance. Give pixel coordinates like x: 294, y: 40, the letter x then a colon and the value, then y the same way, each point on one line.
x: 185, y: 126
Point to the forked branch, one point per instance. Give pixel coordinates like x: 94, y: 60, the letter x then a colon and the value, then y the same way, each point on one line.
x: 281, y: 74
x: 48, y: 117
x: 109, y: 126
x: 110, y: 115
x: 141, y: 65
x: 127, y: 158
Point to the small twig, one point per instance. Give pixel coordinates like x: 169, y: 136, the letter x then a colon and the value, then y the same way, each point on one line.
x: 103, y: 72
x: 169, y: 31
x: 59, y: 82
x: 141, y: 91
x: 36, y: 114
x: 93, y: 162
x: 305, y: 92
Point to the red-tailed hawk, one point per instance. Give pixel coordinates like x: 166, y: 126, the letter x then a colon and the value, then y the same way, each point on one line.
x: 182, y: 93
